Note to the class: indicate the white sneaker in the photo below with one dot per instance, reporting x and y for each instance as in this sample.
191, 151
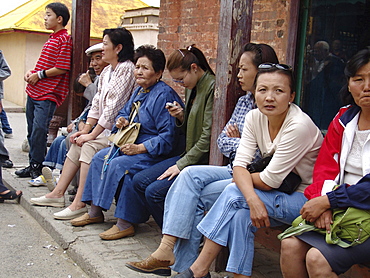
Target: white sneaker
39, 181
48, 175
68, 214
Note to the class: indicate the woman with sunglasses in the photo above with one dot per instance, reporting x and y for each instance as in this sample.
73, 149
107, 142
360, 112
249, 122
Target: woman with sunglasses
279, 128
197, 187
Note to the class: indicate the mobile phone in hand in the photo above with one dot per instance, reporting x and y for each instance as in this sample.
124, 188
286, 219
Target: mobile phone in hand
170, 104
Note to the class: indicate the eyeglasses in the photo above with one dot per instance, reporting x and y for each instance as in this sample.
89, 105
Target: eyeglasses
278, 66
181, 81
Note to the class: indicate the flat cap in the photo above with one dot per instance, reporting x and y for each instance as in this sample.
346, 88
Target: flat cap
94, 48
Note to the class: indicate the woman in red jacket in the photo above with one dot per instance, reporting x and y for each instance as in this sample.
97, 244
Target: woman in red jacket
343, 160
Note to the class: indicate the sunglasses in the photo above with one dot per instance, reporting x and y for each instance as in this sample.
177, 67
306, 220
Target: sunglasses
278, 66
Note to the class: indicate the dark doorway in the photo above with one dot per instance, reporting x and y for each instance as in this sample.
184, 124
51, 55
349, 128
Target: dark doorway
334, 31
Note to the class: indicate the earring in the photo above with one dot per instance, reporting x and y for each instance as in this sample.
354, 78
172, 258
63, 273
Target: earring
289, 103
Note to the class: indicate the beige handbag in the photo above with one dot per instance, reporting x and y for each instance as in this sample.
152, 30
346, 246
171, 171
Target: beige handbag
129, 133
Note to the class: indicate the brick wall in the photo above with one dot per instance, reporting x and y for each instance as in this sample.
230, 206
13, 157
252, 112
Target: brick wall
270, 25
186, 22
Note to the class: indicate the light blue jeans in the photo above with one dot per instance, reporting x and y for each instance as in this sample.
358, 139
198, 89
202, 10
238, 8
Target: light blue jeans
228, 222
194, 191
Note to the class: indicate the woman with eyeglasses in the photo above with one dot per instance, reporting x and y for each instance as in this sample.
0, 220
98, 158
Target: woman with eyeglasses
278, 128
189, 68
197, 187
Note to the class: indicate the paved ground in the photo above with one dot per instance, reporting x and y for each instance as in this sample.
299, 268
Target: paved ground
27, 251
96, 257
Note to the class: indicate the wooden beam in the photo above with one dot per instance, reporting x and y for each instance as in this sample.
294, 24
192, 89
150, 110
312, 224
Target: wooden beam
81, 18
293, 32
234, 32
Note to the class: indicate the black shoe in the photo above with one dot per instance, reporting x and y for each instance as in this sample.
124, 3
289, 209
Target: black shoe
24, 173
35, 170
7, 163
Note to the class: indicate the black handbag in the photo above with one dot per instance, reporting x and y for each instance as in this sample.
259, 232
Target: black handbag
289, 184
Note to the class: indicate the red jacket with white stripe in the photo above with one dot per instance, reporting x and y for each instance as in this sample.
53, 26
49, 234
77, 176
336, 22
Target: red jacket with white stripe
331, 161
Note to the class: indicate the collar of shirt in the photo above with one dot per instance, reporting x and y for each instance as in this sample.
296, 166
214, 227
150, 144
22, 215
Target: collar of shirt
59, 33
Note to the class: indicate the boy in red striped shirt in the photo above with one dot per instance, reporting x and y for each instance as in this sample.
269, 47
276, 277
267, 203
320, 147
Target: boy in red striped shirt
48, 85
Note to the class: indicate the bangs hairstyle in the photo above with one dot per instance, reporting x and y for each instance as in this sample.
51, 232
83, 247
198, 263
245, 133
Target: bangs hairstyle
60, 10
183, 58
357, 61
124, 37
262, 53
287, 72
155, 55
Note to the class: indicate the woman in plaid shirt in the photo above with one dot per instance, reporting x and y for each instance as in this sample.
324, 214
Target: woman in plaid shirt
116, 84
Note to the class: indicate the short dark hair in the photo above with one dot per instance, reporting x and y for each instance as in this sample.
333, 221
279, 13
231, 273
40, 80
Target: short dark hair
124, 37
357, 61
60, 10
183, 58
155, 55
287, 72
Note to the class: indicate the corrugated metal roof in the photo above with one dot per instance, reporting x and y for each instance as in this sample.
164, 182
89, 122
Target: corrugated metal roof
104, 14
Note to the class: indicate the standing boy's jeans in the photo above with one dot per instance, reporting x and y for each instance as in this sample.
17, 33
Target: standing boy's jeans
38, 114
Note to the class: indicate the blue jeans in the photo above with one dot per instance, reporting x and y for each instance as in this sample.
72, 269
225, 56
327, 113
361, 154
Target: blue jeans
190, 196
4, 121
57, 153
152, 191
38, 114
2, 186
4, 154
228, 223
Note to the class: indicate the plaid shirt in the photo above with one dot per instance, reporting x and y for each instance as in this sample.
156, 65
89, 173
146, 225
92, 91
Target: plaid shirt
114, 89
227, 144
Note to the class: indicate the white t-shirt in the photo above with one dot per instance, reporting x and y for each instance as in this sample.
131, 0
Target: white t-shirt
295, 147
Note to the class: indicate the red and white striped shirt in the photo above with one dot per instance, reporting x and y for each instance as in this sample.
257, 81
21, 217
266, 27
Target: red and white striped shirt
56, 52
